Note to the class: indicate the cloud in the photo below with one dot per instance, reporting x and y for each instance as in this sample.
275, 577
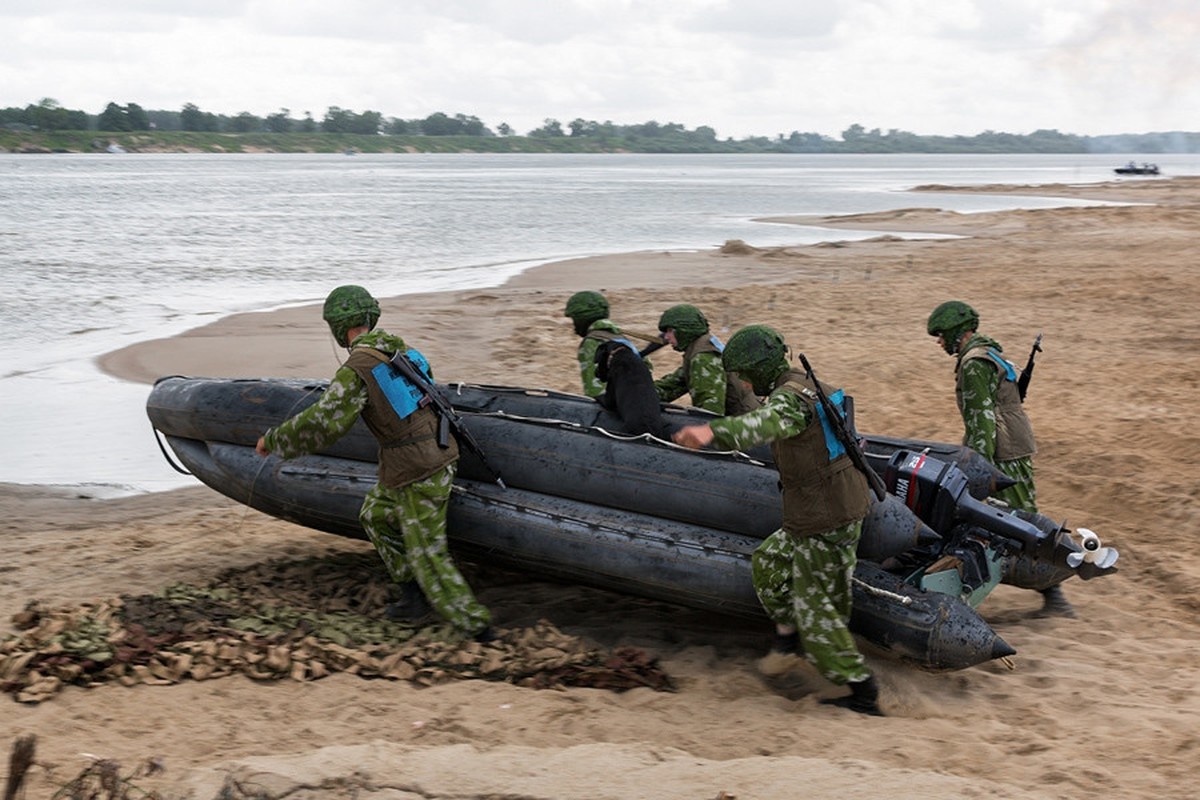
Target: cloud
744, 67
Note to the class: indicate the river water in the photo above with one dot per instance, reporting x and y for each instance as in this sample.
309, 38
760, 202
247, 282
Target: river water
100, 251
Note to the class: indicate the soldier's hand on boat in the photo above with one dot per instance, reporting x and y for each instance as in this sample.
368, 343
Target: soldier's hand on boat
260, 447
693, 436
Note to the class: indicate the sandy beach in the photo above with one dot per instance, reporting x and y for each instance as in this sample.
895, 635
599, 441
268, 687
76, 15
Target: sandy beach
1107, 703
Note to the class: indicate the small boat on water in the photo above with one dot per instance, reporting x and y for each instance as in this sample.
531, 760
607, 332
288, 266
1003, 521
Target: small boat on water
1137, 169
583, 501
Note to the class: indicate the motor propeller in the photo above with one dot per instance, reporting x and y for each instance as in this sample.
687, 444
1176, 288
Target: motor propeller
1093, 552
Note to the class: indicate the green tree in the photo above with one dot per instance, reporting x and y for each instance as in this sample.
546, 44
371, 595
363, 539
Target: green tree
113, 118
245, 122
139, 120
551, 128
337, 120
308, 124
472, 126
400, 127
440, 124
368, 122
77, 120
581, 127
504, 129
191, 118
279, 122
48, 115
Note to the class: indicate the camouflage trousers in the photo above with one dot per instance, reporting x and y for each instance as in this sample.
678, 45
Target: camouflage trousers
408, 528
1022, 496
805, 582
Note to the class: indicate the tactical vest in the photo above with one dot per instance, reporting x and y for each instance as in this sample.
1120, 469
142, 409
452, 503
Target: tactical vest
739, 398
408, 448
1014, 432
819, 494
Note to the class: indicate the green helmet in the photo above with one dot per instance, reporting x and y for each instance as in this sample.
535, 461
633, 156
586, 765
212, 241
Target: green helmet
758, 354
951, 320
586, 305
584, 308
687, 321
348, 307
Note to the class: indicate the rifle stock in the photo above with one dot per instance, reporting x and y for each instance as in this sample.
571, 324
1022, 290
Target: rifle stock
844, 435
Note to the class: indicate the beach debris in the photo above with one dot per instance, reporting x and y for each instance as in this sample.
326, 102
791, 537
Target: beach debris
737, 247
101, 779
290, 620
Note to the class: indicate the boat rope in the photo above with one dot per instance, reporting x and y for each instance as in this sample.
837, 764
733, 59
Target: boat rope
650, 438
875, 590
158, 437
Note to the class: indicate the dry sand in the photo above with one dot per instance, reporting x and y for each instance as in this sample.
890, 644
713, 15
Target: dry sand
1105, 704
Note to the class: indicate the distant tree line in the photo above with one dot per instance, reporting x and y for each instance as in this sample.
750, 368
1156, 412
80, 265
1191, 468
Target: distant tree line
651, 137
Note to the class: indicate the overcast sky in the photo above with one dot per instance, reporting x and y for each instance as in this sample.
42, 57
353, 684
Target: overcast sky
743, 67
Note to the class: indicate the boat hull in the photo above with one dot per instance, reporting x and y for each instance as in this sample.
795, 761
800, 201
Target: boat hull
575, 542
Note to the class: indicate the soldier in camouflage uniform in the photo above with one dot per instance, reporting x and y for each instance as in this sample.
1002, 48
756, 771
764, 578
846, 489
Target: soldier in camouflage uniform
702, 375
589, 312
802, 572
404, 514
996, 425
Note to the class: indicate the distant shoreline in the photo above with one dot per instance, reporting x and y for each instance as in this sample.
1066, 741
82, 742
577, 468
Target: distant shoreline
37, 142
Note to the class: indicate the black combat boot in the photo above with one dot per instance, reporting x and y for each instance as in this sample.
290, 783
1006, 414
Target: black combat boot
486, 635
411, 607
786, 643
863, 698
1055, 603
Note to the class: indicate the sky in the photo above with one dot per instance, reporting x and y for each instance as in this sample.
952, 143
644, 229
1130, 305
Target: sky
742, 67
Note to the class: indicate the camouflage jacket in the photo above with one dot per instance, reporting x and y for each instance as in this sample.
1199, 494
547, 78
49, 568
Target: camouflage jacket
994, 421
782, 416
600, 331
703, 377
820, 491
346, 398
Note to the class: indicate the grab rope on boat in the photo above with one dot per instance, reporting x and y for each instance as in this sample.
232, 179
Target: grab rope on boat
620, 437
875, 590
158, 437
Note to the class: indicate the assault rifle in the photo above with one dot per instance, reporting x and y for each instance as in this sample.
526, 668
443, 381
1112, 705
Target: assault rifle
1027, 373
448, 418
844, 434
650, 348
654, 342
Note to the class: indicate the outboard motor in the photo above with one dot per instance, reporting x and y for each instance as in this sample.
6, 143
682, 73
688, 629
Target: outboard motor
937, 492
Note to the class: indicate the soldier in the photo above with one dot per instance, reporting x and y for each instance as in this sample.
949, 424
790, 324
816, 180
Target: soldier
801, 572
995, 422
589, 311
702, 375
404, 514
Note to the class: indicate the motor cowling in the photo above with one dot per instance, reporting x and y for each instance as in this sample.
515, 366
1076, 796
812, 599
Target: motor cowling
937, 492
